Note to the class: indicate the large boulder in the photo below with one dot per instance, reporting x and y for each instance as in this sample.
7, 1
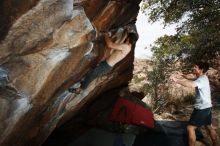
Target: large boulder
46, 46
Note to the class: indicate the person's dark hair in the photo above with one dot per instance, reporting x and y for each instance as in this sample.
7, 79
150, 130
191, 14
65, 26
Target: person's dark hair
203, 65
132, 38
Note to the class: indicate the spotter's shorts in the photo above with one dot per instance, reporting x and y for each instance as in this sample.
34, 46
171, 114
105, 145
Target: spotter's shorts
201, 117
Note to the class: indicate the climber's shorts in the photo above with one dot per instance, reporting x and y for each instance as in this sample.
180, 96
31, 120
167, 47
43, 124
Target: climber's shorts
201, 117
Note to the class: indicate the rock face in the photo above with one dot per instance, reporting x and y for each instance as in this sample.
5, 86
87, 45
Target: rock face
45, 47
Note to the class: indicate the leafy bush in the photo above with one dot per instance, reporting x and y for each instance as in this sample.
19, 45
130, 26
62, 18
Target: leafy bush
136, 79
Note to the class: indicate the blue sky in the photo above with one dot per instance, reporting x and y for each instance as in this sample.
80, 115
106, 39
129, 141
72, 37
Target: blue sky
148, 33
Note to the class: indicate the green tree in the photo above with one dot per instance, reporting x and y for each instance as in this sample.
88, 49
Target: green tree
197, 38
198, 33
157, 79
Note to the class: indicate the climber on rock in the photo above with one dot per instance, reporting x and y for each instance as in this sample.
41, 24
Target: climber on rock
119, 50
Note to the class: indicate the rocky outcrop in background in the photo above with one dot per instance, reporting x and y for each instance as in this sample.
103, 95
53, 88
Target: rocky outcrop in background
45, 47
